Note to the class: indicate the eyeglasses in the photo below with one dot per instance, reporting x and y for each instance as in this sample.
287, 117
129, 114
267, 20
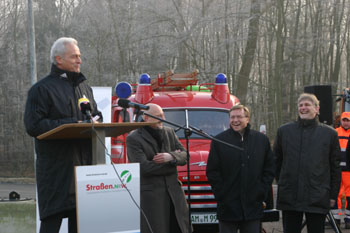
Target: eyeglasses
238, 117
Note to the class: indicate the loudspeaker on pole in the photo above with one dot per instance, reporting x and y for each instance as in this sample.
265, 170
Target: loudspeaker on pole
324, 95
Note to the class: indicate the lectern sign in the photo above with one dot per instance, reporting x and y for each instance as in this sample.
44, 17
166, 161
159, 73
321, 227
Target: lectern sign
103, 201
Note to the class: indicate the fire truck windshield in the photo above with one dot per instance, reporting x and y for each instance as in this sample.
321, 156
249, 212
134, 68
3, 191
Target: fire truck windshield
210, 121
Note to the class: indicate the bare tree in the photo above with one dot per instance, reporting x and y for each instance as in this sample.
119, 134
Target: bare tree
248, 57
269, 50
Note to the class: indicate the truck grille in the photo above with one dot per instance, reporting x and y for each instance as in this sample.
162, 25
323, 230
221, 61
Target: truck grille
204, 203
201, 196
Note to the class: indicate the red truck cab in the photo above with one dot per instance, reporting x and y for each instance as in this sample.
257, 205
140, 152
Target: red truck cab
202, 107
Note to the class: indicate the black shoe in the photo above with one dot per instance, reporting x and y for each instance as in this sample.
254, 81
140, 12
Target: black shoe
337, 221
327, 225
347, 225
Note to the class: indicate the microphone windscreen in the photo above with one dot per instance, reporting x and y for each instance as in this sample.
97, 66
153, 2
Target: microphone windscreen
83, 100
84, 105
124, 103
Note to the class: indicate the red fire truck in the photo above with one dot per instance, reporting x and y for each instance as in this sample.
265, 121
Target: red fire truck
186, 103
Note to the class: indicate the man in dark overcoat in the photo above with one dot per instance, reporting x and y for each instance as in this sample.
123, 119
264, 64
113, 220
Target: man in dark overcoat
51, 102
307, 168
159, 152
240, 179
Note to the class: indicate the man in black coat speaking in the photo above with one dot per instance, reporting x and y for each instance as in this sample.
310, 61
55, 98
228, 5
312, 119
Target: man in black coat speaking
51, 102
240, 180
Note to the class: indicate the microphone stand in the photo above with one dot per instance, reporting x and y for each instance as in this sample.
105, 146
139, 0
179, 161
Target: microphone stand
193, 130
137, 113
188, 130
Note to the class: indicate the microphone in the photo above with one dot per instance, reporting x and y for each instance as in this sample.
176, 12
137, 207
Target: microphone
84, 106
125, 103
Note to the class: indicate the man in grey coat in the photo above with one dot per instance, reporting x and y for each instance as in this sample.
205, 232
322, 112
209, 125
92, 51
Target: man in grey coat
308, 168
159, 152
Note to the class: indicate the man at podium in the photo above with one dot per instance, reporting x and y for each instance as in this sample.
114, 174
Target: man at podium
51, 102
159, 151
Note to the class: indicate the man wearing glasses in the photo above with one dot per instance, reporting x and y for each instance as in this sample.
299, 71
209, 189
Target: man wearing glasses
240, 179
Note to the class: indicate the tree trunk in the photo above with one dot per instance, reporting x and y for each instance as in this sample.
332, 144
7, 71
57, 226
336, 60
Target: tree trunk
248, 57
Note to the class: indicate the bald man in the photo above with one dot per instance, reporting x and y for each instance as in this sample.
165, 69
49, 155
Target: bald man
159, 151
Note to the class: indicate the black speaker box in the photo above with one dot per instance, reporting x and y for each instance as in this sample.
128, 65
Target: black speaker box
324, 95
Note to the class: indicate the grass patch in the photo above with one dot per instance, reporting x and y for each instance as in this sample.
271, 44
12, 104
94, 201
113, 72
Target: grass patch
17, 217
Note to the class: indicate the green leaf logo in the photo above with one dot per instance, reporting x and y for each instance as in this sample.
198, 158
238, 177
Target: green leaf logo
126, 176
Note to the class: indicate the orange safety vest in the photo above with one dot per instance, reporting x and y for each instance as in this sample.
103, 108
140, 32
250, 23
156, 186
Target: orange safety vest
343, 135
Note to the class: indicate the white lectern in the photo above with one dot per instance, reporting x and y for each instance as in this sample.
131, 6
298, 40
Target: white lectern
104, 203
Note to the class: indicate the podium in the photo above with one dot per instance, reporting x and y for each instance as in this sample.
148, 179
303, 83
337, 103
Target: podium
97, 134
100, 196
103, 201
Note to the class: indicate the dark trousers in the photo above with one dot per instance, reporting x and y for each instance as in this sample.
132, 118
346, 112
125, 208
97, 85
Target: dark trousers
293, 220
243, 226
52, 224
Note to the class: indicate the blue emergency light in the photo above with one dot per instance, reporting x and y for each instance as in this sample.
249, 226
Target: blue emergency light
123, 90
220, 78
145, 79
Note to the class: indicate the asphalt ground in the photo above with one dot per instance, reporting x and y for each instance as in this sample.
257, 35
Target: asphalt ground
25, 187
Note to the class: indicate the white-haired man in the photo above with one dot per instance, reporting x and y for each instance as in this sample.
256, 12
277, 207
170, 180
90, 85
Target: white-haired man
51, 102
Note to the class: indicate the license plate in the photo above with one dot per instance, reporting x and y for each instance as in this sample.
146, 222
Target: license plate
204, 218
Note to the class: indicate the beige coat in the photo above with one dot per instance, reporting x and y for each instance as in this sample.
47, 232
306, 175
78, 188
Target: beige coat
159, 182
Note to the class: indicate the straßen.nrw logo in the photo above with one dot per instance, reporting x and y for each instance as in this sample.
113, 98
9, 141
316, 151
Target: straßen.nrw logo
126, 176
